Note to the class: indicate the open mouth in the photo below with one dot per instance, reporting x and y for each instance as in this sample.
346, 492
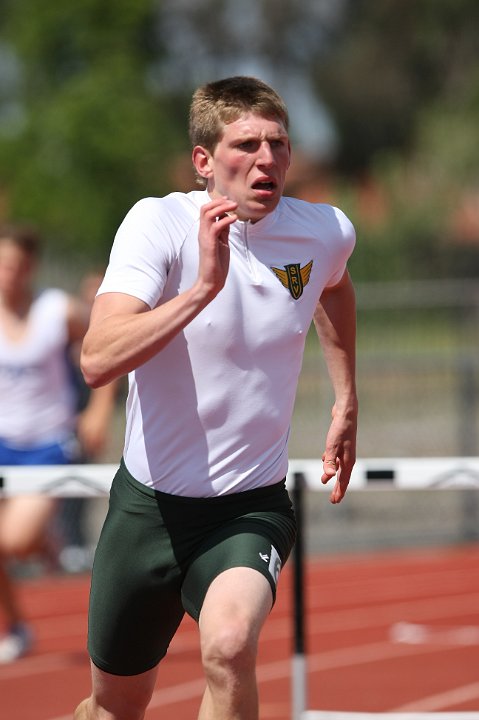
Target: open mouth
268, 185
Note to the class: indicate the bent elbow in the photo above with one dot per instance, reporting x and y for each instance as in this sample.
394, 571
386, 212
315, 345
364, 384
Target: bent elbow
92, 372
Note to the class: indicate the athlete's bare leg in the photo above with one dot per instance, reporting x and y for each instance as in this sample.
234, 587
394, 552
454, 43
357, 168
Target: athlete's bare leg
117, 697
8, 601
235, 608
23, 523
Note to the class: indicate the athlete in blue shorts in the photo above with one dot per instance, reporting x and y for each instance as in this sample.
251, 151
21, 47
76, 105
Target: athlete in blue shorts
38, 407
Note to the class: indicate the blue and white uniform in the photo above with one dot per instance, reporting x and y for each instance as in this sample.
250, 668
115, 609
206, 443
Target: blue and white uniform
38, 400
210, 414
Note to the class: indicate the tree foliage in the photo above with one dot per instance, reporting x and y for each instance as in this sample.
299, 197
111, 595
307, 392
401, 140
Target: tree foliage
403, 84
94, 95
91, 137
392, 60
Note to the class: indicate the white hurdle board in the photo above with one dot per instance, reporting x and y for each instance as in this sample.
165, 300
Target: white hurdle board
397, 473
369, 473
57, 480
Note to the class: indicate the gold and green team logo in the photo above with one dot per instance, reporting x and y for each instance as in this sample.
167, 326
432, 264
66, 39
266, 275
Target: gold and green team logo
294, 277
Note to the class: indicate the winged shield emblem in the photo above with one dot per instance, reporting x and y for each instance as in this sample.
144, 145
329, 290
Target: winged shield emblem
294, 277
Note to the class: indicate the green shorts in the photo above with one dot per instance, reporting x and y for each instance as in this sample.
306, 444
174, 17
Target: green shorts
158, 554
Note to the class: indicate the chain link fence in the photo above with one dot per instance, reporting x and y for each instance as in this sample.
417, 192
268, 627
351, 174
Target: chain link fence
418, 374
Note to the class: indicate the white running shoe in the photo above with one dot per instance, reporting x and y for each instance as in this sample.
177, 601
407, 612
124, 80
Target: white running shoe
15, 644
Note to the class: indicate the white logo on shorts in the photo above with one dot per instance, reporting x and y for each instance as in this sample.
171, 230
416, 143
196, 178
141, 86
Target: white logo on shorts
274, 565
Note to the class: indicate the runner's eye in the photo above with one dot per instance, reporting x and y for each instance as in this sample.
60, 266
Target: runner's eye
248, 145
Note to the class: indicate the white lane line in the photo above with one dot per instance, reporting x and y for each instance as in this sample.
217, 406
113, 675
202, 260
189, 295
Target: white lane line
457, 696
362, 654
373, 593
318, 622
417, 634
39, 665
342, 657
374, 652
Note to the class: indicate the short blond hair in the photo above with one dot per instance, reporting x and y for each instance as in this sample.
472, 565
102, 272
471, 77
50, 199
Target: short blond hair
218, 103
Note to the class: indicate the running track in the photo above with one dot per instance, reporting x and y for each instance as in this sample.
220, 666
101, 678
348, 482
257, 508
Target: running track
396, 631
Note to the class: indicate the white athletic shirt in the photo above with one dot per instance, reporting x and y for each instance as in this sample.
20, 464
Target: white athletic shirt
37, 399
210, 414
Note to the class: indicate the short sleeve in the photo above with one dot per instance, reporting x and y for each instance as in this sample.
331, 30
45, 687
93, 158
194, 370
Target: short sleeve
344, 240
141, 254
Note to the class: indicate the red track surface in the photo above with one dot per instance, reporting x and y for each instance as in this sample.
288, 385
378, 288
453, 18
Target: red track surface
397, 631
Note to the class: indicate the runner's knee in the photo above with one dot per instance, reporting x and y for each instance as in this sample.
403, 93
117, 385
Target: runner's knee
120, 697
231, 648
119, 707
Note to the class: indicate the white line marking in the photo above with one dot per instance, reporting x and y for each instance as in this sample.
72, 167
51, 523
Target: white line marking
382, 616
416, 634
457, 696
267, 672
39, 664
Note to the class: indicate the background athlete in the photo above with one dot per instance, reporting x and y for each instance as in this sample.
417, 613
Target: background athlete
39, 419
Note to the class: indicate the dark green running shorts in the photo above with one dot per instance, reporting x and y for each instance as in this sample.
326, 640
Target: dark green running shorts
158, 554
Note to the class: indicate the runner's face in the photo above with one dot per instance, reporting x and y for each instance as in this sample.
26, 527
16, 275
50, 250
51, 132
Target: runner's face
249, 165
16, 269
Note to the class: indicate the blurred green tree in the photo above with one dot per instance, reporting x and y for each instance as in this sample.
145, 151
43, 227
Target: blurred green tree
402, 82
82, 135
392, 60
94, 95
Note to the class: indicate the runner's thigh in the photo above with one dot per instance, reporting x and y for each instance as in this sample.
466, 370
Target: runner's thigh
135, 599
